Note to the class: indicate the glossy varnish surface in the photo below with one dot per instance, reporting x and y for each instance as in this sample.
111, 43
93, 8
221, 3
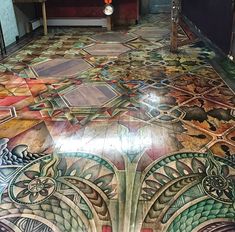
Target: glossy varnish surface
128, 138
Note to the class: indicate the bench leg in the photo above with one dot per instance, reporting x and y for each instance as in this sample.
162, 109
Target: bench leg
44, 15
109, 23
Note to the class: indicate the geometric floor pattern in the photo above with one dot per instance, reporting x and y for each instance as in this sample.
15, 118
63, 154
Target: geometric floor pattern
128, 138
60, 68
107, 49
114, 37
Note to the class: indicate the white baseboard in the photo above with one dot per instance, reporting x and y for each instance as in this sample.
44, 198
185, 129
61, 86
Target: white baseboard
97, 22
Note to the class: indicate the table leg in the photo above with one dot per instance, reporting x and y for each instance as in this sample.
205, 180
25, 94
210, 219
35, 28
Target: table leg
1, 47
44, 15
174, 35
174, 24
109, 23
2, 42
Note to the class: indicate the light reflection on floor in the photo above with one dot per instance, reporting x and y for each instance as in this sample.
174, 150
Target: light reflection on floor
132, 138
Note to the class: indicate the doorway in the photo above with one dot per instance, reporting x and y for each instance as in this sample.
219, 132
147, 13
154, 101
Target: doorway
159, 6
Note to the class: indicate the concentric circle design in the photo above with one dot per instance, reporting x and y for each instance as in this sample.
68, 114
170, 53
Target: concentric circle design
218, 188
32, 184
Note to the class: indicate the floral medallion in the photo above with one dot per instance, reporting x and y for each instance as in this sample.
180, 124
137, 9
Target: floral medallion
218, 188
32, 185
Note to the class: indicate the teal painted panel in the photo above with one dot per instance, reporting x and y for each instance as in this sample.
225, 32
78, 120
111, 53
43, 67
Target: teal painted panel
8, 21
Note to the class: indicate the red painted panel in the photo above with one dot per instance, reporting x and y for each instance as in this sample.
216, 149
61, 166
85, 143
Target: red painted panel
125, 11
73, 8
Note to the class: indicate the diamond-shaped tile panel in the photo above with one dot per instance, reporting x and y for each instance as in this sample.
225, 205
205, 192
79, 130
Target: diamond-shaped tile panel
7, 113
152, 32
117, 37
107, 49
89, 95
60, 68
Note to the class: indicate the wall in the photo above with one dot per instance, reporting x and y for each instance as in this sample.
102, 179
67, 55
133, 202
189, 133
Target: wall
8, 21
125, 11
213, 17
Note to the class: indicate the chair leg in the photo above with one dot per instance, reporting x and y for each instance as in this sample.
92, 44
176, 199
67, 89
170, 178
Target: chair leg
2, 42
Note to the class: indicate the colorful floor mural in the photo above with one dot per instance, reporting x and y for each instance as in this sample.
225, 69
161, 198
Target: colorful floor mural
110, 132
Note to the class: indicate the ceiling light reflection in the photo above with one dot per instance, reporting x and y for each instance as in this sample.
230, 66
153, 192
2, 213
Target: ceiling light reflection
127, 143
153, 98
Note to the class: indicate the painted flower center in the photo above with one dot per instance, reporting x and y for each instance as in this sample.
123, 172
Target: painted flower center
38, 184
216, 182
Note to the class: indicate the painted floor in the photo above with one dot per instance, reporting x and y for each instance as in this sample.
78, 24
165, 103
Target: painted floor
110, 132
